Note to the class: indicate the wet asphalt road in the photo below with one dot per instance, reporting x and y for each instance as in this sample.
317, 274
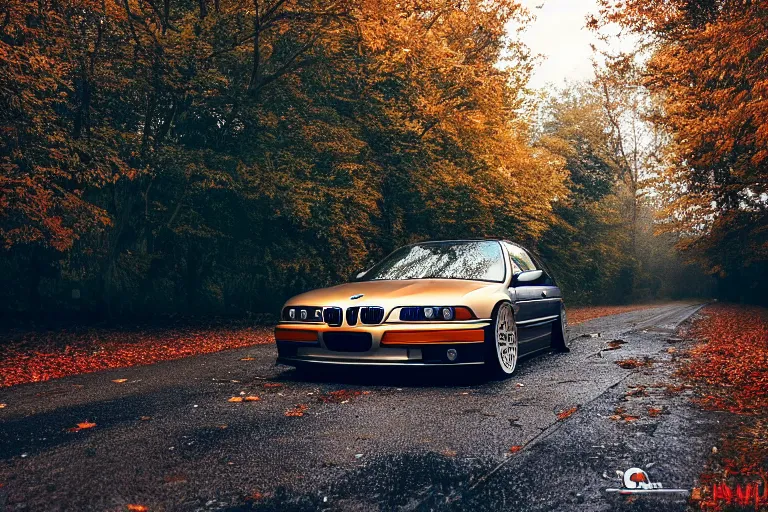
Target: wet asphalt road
168, 438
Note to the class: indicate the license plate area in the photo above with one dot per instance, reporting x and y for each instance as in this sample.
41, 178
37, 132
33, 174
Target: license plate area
348, 341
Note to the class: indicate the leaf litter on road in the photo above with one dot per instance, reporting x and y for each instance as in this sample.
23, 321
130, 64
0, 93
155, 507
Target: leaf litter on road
297, 411
631, 364
33, 356
340, 396
564, 414
620, 414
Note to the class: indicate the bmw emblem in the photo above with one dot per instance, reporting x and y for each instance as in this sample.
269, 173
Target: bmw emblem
355, 297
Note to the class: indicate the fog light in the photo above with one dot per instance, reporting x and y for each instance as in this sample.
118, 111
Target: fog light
429, 313
303, 314
451, 354
292, 314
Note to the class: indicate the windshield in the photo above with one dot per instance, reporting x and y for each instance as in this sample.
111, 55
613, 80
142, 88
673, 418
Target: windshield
480, 261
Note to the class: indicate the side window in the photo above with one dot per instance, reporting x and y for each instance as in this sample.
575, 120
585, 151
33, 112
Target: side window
521, 262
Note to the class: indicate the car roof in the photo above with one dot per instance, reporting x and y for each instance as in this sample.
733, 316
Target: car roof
463, 240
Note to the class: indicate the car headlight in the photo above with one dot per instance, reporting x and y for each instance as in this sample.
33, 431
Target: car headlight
303, 314
435, 313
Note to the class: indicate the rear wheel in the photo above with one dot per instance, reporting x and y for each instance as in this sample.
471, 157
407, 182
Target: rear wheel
502, 341
560, 332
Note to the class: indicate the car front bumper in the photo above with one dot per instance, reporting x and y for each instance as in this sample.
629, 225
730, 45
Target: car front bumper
419, 344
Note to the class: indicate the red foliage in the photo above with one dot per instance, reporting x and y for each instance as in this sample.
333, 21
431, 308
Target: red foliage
36, 356
579, 315
732, 363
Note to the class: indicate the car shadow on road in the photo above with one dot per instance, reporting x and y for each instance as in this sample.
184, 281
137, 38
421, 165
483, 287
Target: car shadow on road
402, 376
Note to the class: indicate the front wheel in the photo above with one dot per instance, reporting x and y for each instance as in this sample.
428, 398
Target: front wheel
560, 332
502, 341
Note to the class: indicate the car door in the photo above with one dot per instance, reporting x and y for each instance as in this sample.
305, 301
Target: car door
553, 296
538, 301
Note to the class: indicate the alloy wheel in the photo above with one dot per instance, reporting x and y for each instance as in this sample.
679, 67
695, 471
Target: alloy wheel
506, 339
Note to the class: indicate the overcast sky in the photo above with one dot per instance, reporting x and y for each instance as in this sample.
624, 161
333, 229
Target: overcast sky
558, 33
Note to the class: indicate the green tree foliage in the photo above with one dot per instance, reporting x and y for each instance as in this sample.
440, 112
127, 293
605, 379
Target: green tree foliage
588, 245
603, 245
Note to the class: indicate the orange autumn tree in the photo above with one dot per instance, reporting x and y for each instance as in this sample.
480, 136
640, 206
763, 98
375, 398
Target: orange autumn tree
48, 156
193, 156
708, 65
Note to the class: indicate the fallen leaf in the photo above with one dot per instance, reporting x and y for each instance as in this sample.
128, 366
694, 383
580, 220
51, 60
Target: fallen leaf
654, 411
119, 381
137, 508
515, 449
620, 414
251, 398
235, 399
3, 406
145, 418
671, 350
696, 494
615, 344
256, 496
299, 410
630, 364
566, 413
448, 453
247, 358
272, 385
82, 426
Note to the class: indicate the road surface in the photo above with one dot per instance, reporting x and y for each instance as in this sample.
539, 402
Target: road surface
169, 438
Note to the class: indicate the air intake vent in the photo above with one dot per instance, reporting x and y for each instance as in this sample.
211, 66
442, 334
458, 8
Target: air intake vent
371, 315
332, 316
352, 314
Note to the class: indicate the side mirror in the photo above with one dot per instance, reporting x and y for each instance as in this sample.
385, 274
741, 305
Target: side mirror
527, 277
357, 275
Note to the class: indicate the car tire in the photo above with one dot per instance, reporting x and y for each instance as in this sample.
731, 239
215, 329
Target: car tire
559, 338
502, 347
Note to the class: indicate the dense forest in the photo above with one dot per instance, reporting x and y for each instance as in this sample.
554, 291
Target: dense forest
213, 157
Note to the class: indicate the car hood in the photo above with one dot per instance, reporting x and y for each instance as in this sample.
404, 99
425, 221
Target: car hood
391, 294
